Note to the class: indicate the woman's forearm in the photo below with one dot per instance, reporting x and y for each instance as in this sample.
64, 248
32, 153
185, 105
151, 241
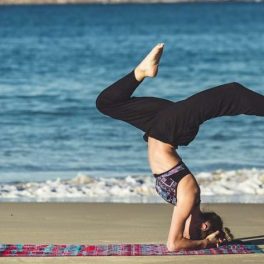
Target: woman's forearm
185, 243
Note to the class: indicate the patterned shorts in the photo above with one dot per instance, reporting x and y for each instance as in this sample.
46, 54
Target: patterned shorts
166, 182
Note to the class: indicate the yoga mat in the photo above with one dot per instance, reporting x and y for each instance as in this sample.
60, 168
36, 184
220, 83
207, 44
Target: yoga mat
23, 250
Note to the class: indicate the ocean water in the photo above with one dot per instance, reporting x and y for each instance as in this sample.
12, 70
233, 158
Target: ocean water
54, 61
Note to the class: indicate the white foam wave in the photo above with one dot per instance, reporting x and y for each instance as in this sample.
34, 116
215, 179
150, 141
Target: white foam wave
234, 183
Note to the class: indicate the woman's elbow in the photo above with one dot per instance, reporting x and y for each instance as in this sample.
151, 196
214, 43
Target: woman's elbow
173, 246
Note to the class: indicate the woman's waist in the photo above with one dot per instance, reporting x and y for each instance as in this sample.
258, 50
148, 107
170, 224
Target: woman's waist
161, 160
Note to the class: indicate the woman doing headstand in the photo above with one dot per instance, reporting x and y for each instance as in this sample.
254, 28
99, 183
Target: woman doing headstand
168, 125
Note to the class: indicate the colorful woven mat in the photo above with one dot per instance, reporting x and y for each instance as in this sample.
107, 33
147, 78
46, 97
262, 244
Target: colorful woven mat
23, 250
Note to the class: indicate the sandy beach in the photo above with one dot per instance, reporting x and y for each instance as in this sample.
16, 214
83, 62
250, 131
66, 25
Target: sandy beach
102, 223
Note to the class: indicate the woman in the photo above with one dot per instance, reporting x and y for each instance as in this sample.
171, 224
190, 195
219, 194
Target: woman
168, 125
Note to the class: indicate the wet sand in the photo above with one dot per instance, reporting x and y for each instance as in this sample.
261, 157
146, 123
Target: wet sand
99, 223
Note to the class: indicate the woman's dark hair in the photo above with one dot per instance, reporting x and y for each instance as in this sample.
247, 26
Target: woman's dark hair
215, 223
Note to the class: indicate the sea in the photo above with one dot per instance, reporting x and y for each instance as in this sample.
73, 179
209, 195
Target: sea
55, 60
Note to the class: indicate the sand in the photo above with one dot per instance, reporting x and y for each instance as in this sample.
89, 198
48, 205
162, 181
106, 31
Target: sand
96, 223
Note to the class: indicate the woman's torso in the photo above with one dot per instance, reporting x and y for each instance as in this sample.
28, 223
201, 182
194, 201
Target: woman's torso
162, 157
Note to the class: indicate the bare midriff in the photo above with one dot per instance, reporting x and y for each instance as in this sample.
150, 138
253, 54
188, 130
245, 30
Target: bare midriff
162, 156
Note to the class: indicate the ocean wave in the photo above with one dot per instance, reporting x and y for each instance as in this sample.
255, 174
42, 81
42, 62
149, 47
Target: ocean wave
227, 186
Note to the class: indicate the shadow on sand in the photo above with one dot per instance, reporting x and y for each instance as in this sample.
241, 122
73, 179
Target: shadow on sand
254, 240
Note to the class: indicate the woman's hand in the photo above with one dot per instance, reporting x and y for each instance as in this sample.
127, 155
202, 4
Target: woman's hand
213, 238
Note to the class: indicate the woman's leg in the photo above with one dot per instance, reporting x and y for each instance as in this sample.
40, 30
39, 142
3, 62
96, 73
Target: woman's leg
179, 123
252, 103
226, 100
117, 102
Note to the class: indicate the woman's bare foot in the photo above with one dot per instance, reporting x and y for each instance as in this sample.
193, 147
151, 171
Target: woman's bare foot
149, 66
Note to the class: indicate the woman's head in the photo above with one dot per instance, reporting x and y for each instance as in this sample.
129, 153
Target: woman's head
212, 222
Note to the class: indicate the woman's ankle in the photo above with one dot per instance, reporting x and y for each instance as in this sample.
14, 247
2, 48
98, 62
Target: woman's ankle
139, 74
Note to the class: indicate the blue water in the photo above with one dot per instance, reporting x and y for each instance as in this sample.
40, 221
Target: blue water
54, 60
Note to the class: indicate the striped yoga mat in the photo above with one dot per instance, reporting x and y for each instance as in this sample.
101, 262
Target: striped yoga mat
23, 250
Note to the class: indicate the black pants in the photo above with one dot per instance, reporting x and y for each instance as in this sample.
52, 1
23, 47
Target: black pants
176, 123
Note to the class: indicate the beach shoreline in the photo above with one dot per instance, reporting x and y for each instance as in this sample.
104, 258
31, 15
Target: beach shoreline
235, 186
105, 223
